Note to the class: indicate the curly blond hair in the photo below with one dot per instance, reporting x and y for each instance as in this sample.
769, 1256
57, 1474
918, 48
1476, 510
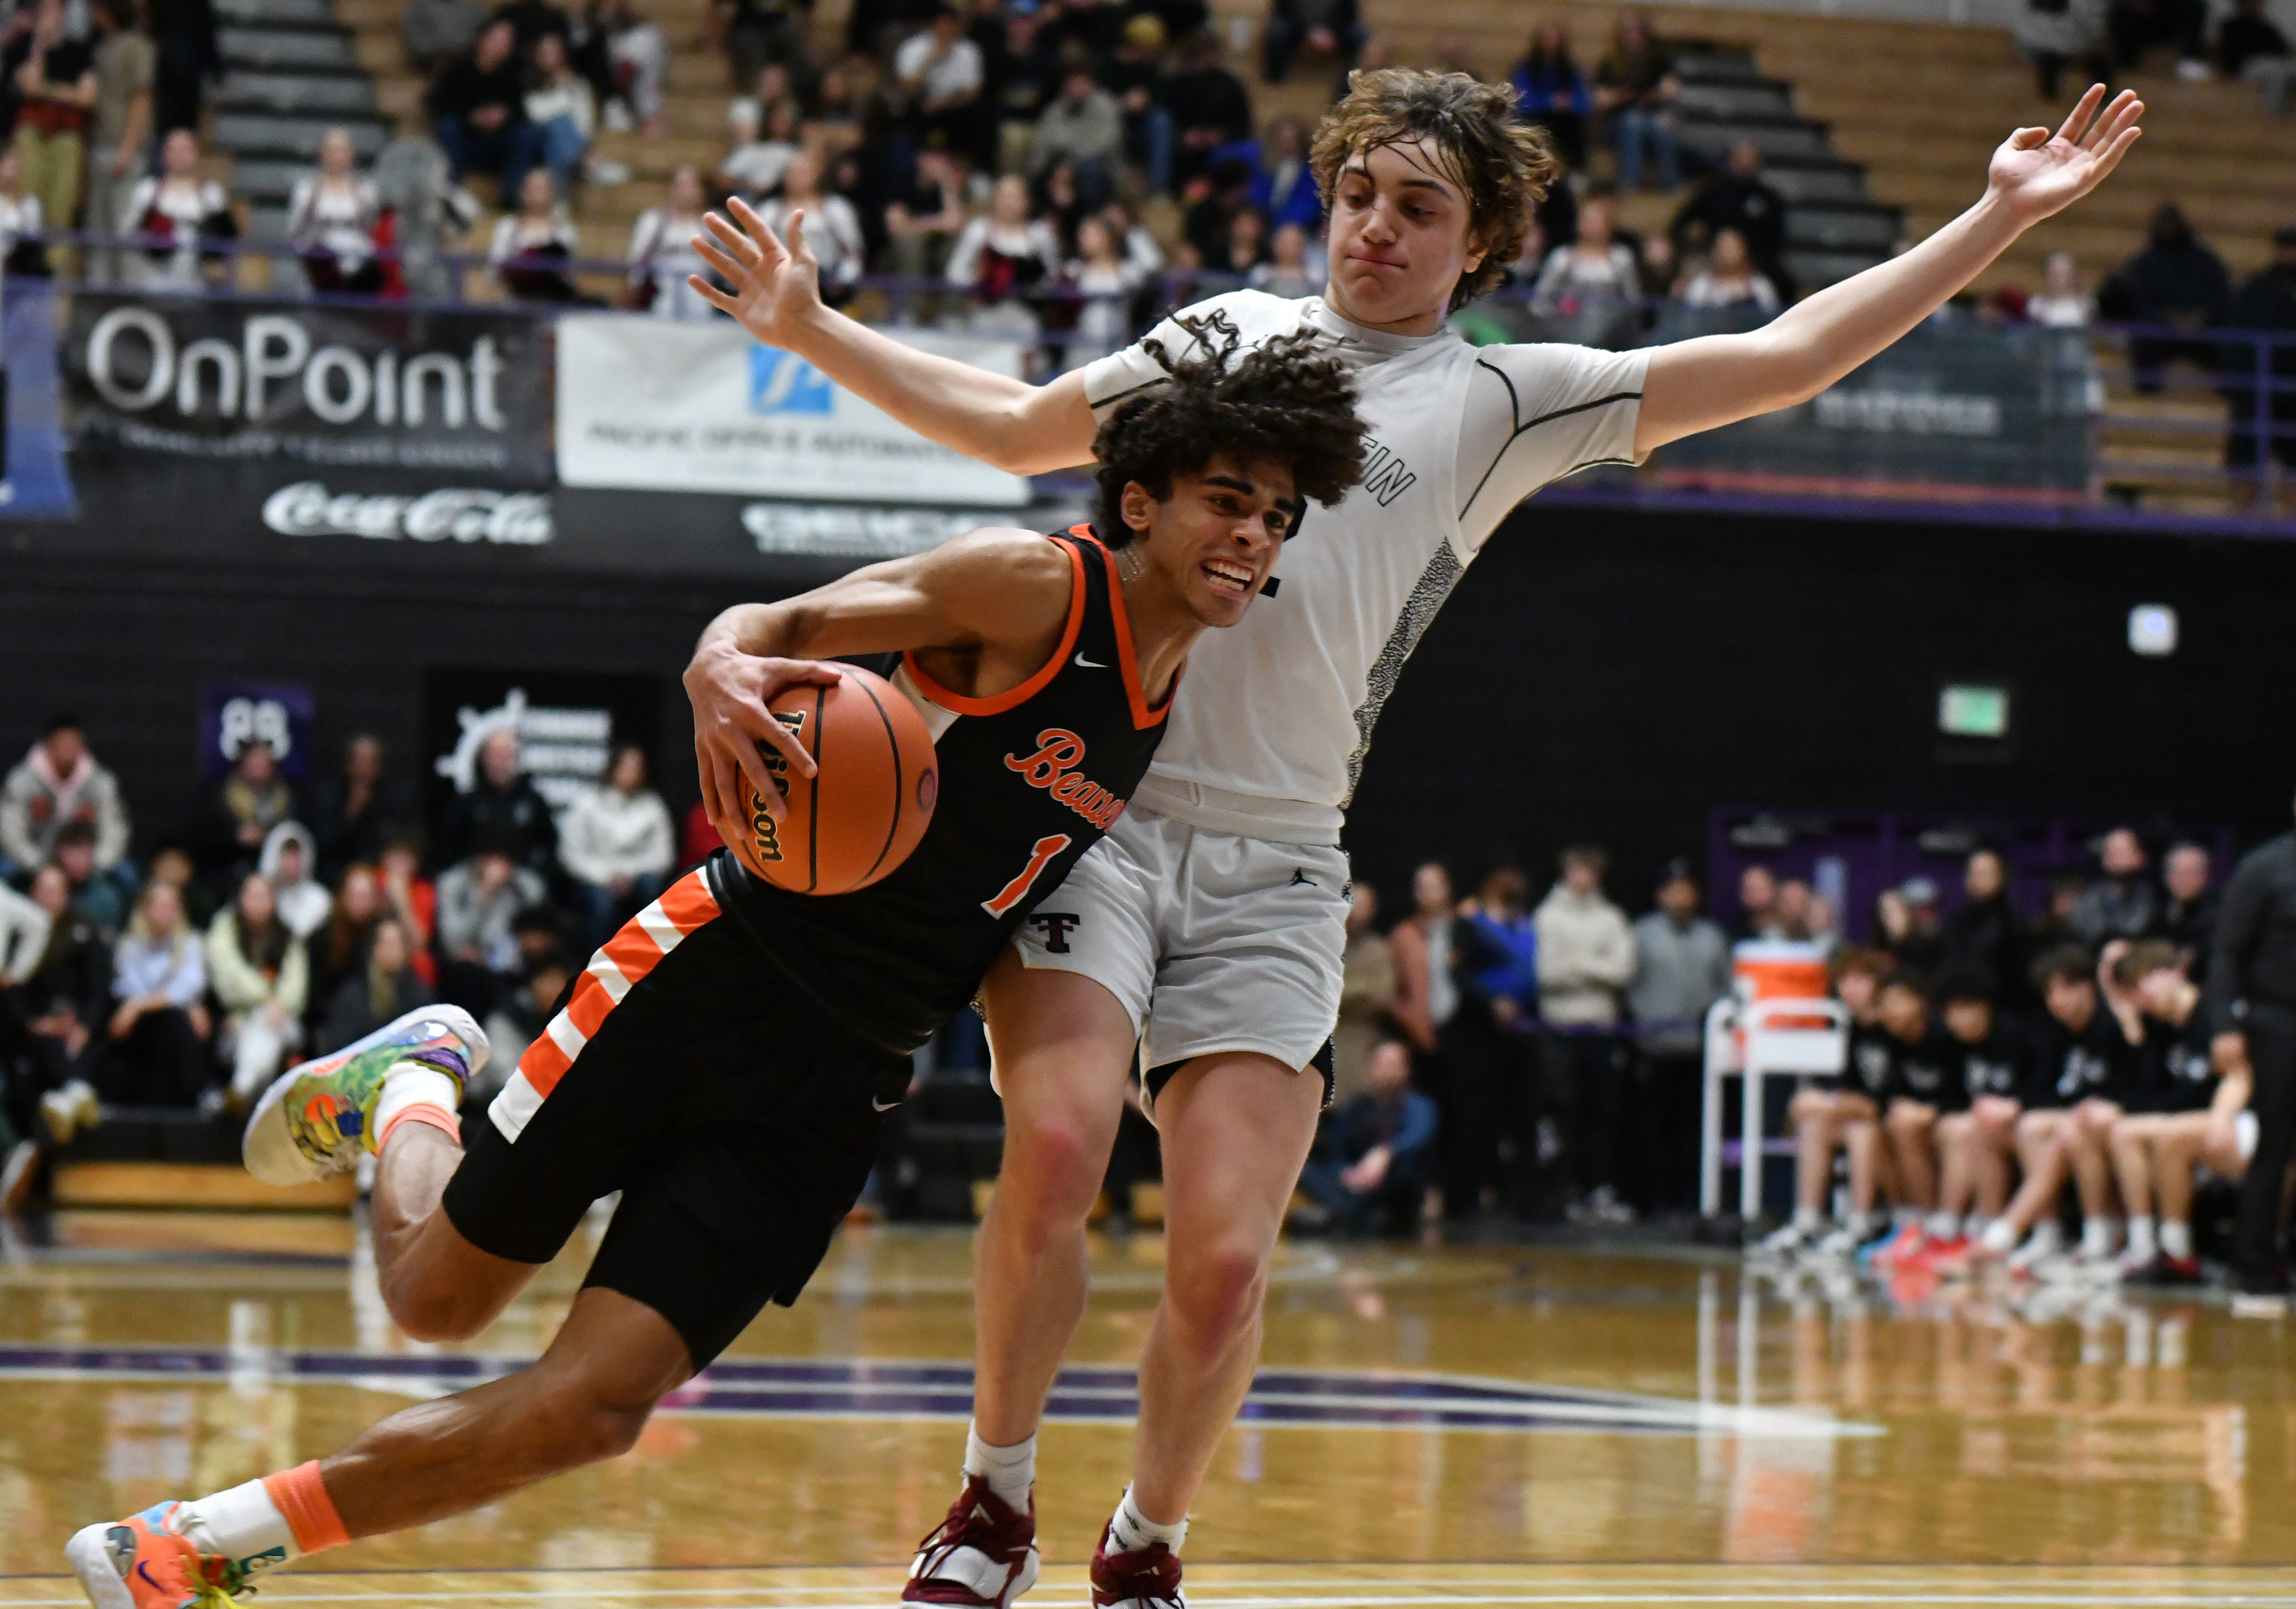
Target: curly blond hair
1502, 164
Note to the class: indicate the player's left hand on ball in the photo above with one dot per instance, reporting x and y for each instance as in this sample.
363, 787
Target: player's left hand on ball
731, 692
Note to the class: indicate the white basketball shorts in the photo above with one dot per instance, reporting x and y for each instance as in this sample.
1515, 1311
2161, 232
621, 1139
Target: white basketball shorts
1212, 942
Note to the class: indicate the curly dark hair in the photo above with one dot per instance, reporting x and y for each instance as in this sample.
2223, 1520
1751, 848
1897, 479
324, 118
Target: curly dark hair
1503, 164
1285, 402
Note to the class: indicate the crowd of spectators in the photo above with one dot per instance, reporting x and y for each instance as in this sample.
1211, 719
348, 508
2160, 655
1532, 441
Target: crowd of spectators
284, 921
2106, 39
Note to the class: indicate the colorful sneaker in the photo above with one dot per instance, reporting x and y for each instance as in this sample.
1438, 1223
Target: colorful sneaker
1146, 1578
1903, 1246
983, 1554
1947, 1259
144, 1562
314, 1120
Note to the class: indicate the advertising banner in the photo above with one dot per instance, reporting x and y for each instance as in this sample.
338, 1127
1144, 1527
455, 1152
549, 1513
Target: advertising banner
1954, 412
234, 714
568, 725
654, 406
251, 378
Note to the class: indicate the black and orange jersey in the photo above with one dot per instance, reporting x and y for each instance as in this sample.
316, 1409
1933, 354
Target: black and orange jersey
1029, 780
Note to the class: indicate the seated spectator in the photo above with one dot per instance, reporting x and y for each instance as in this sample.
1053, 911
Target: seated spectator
338, 951
2188, 913
502, 800
531, 21
330, 221
479, 900
2189, 1118
1375, 1159
1084, 127
756, 33
1595, 282
754, 167
1986, 1074
66, 999
616, 843
532, 247
261, 976
1921, 1090
52, 73
922, 223
1021, 65
171, 863
836, 121
433, 30
287, 860
523, 1011
1282, 181
409, 898
662, 251
1552, 92
2063, 304
635, 61
1738, 198
160, 1026
564, 111
745, 114
1634, 92
380, 988
2177, 281
1209, 107
2122, 903
832, 229
2252, 49
1729, 282
1843, 1114
103, 900
941, 71
177, 213
2138, 25
2267, 301
477, 105
1291, 269
1205, 225
1245, 249
2054, 35
354, 812
19, 215
1134, 76
1107, 282
1001, 253
57, 783
1328, 29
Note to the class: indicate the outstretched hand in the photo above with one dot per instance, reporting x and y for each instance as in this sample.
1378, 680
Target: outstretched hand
2038, 174
776, 287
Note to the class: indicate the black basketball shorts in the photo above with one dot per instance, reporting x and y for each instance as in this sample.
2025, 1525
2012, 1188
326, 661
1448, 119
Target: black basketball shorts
737, 1116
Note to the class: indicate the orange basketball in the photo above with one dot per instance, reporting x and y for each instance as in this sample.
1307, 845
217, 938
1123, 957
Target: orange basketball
864, 810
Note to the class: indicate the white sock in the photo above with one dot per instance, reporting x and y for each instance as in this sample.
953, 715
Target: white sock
412, 1084
1131, 1531
2177, 1239
1807, 1219
1862, 1225
1010, 1470
2142, 1247
1941, 1226
2098, 1236
1906, 1218
243, 1524
1999, 1238
2048, 1239
1972, 1227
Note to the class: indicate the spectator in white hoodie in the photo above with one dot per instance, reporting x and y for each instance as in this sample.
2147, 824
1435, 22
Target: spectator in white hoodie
617, 843
1586, 959
290, 853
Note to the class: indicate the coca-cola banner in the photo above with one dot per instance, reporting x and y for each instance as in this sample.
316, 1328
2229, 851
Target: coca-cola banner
328, 386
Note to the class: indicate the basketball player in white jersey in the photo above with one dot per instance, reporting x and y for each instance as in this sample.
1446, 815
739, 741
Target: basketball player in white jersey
1206, 929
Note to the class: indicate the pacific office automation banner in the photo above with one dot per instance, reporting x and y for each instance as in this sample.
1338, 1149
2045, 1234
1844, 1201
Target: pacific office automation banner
1961, 411
653, 406
345, 388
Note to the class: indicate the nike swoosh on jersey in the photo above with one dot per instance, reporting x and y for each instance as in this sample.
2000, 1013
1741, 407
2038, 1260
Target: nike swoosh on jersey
1083, 663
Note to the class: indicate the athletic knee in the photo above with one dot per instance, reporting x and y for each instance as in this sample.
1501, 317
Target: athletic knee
1216, 1290
1054, 1166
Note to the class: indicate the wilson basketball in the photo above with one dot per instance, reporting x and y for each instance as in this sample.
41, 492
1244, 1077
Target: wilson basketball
868, 803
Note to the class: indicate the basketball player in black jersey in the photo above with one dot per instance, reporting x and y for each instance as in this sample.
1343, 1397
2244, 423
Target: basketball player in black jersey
725, 1060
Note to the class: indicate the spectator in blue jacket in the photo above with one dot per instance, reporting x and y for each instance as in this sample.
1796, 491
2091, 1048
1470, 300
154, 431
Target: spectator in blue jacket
1282, 186
1552, 92
1376, 1157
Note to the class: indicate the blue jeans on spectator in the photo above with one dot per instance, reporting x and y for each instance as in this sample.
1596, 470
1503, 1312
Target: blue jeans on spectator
1393, 1208
506, 152
562, 146
1633, 129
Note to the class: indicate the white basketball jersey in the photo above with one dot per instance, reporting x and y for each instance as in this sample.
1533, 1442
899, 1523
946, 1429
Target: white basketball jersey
1272, 722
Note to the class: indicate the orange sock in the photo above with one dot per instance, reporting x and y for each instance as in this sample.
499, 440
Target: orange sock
310, 1513
423, 1112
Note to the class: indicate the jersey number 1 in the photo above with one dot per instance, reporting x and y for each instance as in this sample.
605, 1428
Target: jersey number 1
1016, 890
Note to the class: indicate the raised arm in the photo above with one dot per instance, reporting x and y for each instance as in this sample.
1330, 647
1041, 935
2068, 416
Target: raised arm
1715, 380
996, 592
1019, 428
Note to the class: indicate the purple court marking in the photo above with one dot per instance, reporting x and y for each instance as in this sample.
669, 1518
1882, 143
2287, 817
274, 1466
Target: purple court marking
864, 1389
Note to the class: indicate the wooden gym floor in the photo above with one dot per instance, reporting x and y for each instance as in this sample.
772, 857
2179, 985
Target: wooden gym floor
1431, 1426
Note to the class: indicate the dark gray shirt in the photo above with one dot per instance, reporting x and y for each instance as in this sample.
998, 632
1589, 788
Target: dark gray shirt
2255, 955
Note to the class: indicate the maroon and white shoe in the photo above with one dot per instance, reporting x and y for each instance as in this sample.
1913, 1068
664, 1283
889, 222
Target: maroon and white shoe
1146, 1578
982, 1555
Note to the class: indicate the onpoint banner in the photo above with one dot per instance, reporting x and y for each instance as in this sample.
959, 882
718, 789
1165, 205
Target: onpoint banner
652, 406
365, 387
